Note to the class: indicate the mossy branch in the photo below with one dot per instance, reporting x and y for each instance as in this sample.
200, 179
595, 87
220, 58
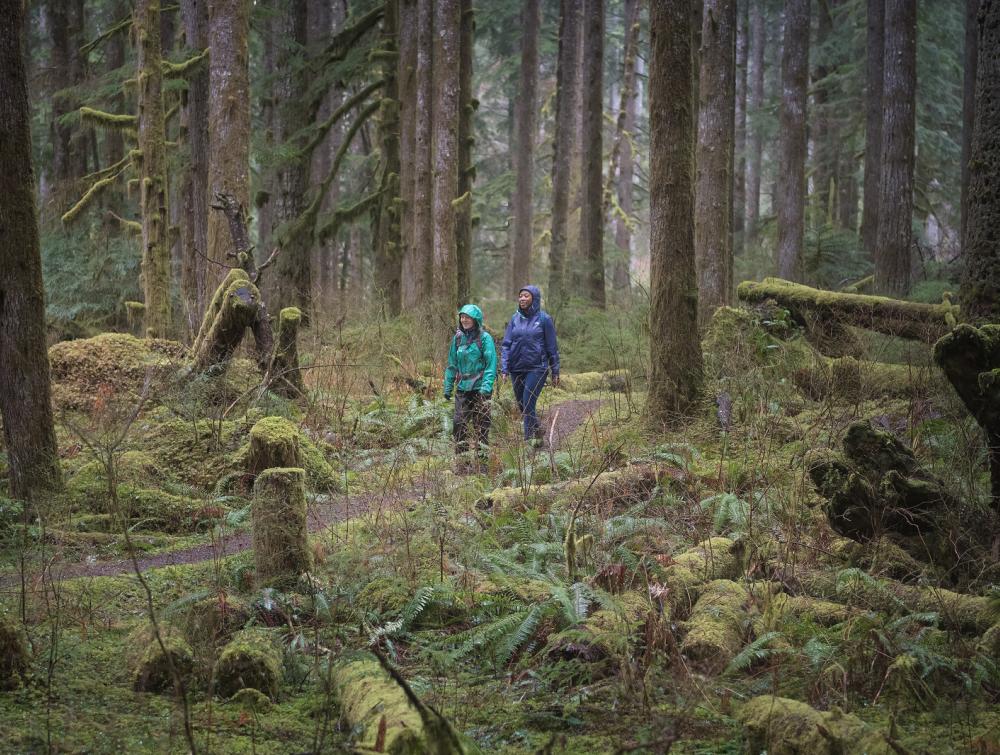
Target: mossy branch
323, 128
346, 38
179, 70
104, 119
96, 188
346, 214
129, 225
119, 26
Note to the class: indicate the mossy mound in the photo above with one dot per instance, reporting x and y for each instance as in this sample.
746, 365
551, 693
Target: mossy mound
88, 369
198, 453
213, 621
251, 659
383, 596
13, 655
87, 488
781, 726
152, 674
739, 340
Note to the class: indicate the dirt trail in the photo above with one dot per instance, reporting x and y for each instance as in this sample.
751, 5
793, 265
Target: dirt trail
559, 421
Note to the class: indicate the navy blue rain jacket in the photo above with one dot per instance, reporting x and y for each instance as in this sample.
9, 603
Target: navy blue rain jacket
529, 342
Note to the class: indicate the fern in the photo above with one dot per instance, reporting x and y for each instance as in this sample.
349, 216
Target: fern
756, 652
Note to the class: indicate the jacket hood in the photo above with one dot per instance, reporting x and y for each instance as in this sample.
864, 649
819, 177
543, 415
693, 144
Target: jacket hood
474, 312
536, 300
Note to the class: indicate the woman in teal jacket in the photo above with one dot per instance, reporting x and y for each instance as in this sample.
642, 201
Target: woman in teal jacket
471, 372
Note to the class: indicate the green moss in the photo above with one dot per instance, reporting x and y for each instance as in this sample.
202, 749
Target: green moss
280, 545
251, 659
383, 596
13, 654
715, 558
715, 632
275, 441
153, 671
214, 620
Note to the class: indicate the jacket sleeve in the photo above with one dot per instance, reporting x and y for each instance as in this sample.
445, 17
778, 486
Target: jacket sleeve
551, 347
505, 346
490, 369
451, 369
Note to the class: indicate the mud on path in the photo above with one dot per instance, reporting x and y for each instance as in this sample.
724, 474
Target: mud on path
558, 421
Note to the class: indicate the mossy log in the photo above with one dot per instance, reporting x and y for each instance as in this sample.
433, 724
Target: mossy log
879, 487
153, 672
715, 627
859, 380
712, 559
781, 606
588, 382
278, 514
970, 359
781, 726
285, 374
894, 317
375, 704
13, 655
251, 660
608, 632
236, 313
274, 442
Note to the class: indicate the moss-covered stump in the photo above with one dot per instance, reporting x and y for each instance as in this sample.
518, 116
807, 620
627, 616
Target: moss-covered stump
894, 317
13, 655
285, 374
715, 558
589, 382
858, 380
781, 726
153, 672
715, 627
274, 442
250, 660
235, 275
87, 371
237, 312
278, 514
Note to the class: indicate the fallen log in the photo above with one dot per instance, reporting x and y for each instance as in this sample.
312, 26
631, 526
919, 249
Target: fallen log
715, 627
859, 380
615, 381
237, 309
688, 572
894, 317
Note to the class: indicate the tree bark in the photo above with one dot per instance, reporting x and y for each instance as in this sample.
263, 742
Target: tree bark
895, 204
592, 215
755, 104
194, 189
407, 75
740, 144
621, 154
971, 57
822, 126
524, 147
423, 229
791, 198
64, 19
152, 179
386, 226
447, 26
675, 349
238, 305
228, 119
25, 401
713, 241
562, 144
981, 276
466, 169
875, 60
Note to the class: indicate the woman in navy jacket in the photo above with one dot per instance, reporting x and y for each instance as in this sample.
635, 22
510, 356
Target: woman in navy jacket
528, 353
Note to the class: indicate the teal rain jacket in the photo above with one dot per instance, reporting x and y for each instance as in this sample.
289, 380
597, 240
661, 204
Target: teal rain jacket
472, 359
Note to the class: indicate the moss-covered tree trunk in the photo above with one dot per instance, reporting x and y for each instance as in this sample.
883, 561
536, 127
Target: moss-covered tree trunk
758, 43
675, 350
421, 251
466, 169
152, 177
740, 134
228, 119
524, 148
406, 74
592, 215
446, 64
713, 241
621, 167
791, 181
981, 278
64, 20
237, 301
286, 376
874, 61
895, 203
280, 545
194, 187
562, 144
25, 399
970, 57
388, 247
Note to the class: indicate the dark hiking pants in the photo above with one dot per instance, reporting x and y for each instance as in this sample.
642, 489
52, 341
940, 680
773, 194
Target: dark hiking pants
472, 421
527, 387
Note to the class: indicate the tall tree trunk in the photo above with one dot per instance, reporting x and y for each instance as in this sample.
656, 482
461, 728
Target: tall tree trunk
740, 146
981, 277
971, 56
791, 199
466, 170
194, 189
319, 29
822, 127
524, 147
447, 26
562, 143
758, 43
386, 226
407, 74
675, 349
293, 274
592, 216
621, 276
152, 179
874, 83
64, 20
264, 199
895, 205
25, 401
713, 242
423, 190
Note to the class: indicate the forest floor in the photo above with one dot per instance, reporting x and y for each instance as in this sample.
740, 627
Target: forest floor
619, 590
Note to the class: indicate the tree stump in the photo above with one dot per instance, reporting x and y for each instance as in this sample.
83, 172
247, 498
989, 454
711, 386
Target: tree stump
236, 312
274, 442
278, 513
286, 377
153, 672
